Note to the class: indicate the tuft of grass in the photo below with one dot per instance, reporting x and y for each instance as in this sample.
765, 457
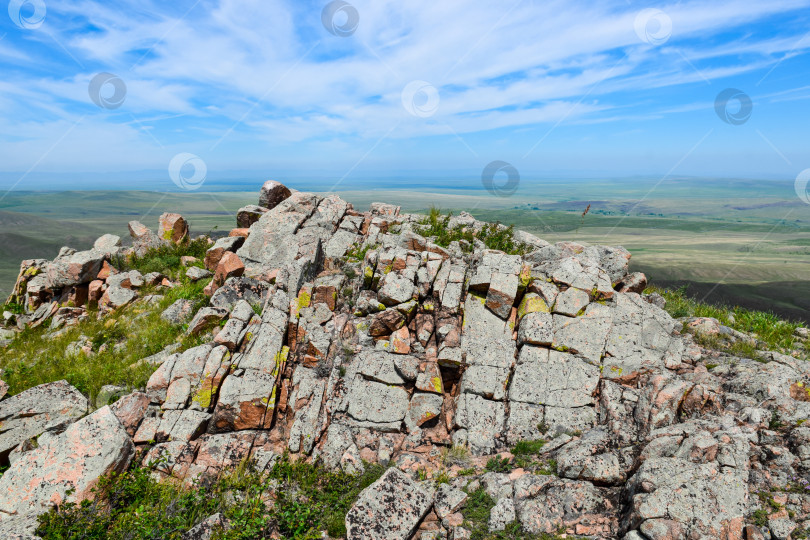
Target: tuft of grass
525, 450
498, 464
456, 455
548, 469
293, 499
437, 226
357, 253
776, 333
442, 478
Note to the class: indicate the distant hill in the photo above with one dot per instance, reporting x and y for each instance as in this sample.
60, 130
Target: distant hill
24, 236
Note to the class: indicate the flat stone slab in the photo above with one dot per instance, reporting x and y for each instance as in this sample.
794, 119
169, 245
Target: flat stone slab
389, 509
37, 410
66, 467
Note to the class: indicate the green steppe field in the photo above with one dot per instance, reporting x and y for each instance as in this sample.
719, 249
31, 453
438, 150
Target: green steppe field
736, 242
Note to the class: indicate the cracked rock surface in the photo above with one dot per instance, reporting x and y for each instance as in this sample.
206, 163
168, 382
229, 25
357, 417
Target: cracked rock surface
351, 339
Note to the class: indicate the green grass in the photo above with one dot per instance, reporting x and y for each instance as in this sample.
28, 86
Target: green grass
456, 455
778, 334
357, 253
297, 499
437, 226
476, 517
165, 259
524, 451
499, 464
33, 358
12, 307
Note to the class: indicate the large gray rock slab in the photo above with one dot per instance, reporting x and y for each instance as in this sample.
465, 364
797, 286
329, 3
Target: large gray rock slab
703, 498
273, 241
543, 502
586, 334
389, 509
307, 397
377, 405
65, 468
482, 422
37, 410
179, 312
117, 297
395, 289
544, 377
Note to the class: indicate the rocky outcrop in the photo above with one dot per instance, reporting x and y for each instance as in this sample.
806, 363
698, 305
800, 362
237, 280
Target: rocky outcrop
63, 468
45, 408
348, 338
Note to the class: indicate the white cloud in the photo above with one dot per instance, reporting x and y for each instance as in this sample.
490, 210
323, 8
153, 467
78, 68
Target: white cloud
270, 70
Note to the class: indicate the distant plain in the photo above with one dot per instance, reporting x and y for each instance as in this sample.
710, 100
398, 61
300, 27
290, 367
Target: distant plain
738, 242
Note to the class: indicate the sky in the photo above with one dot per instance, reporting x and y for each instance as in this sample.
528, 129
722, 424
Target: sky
112, 93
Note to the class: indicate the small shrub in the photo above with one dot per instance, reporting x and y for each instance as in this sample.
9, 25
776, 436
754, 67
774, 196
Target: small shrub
13, 307
527, 448
498, 464
774, 422
760, 517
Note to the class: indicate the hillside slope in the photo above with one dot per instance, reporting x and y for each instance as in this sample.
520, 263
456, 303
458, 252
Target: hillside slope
324, 370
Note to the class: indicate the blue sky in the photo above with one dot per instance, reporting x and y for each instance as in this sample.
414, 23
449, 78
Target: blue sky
262, 87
